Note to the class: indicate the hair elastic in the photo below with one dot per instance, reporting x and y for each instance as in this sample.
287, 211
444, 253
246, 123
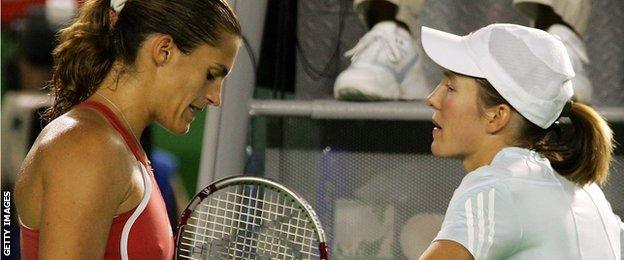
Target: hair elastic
117, 5
566, 109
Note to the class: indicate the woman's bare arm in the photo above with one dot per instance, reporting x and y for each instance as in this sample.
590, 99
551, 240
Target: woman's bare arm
446, 249
81, 194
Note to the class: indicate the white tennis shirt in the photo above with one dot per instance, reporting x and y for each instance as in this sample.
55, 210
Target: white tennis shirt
519, 208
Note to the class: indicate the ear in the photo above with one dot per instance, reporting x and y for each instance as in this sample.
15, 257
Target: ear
498, 117
162, 49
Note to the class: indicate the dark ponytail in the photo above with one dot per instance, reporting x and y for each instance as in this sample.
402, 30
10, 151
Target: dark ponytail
581, 151
82, 59
90, 46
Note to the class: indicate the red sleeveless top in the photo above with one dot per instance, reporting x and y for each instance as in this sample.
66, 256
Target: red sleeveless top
141, 233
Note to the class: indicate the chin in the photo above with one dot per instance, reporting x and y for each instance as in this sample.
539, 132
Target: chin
435, 150
438, 152
177, 129
181, 130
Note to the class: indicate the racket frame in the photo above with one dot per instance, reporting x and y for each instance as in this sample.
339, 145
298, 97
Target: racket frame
241, 179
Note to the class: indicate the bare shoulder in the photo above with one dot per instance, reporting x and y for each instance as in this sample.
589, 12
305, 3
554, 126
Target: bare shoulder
77, 155
81, 139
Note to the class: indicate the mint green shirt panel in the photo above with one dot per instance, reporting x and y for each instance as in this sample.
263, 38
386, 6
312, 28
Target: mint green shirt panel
548, 224
483, 221
621, 237
536, 213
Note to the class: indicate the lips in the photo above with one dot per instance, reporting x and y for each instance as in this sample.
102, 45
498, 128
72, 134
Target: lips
436, 124
191, 111
195, 108
437, 129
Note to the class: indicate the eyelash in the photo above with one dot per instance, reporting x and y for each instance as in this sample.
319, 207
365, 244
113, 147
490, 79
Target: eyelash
449, 87
210, 76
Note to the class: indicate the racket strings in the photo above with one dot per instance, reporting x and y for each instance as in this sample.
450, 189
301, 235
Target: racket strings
244, 222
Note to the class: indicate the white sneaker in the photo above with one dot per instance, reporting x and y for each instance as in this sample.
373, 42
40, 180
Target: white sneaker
583, 89
385, 65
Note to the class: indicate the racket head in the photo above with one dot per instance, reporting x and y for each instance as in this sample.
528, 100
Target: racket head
246, 217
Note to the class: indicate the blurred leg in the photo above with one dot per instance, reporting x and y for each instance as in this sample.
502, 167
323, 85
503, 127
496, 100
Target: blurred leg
380, 11
385, 64
567, 19
546, 17
575, 13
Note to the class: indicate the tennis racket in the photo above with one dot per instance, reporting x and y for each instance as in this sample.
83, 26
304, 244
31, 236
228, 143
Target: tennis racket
247, 217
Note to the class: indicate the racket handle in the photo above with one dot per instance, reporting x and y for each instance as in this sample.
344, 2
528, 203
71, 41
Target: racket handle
323, 251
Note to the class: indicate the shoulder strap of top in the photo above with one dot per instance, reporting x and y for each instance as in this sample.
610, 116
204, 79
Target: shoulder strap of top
119, 126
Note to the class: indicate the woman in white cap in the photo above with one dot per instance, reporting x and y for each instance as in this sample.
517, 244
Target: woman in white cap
532, 188
86, 189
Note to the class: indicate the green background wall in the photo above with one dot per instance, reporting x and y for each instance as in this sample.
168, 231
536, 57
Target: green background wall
187, 148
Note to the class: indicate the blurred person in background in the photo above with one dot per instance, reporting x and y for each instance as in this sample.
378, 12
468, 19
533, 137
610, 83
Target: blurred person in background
24, 75
567, 19
386, 63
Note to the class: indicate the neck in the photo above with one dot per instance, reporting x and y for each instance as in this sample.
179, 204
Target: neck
127, 100
483, 156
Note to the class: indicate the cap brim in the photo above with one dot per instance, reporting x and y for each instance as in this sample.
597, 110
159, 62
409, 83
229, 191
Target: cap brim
449, 51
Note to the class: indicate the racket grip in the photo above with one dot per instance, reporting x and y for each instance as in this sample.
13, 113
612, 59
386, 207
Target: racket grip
323, 251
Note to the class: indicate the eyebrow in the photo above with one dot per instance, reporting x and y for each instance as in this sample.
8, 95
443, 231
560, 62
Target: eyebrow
449, 74
223, 70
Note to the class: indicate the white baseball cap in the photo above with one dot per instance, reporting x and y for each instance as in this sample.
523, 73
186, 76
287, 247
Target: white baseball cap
530, 68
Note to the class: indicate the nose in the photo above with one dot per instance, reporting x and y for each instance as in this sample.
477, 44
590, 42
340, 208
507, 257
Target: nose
213, 94
431, 98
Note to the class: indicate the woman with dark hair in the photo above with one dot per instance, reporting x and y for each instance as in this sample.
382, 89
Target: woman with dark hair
86, 189
532, 188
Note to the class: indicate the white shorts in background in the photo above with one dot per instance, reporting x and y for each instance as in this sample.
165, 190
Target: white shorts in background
409, 10
574, 12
